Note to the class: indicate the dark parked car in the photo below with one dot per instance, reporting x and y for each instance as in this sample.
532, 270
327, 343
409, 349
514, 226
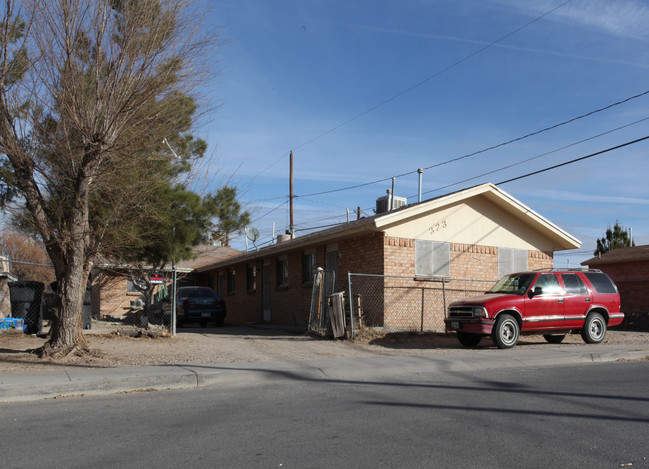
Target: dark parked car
199, 305
549, 302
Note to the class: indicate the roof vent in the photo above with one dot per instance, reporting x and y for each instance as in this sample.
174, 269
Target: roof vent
389, 202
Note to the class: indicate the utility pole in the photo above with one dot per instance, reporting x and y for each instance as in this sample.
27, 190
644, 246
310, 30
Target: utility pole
292, 226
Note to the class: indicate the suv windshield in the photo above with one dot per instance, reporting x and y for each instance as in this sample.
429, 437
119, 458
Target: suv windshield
515, 283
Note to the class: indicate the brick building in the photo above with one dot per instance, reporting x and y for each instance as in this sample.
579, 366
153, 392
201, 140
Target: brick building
629, 269
113, 288
479, 233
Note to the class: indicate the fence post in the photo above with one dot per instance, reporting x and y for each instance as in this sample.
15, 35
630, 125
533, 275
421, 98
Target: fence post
423, 308
172, 319
351, 306
444, 295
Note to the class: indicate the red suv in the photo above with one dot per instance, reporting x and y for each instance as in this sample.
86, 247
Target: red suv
549, 302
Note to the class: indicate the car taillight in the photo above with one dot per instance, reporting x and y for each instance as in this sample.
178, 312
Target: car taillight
188, 304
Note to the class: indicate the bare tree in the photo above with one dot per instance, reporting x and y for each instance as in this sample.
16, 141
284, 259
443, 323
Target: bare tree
29, 261
89, 89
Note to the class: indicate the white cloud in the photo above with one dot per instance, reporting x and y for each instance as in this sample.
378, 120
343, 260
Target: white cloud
624, 18
621, 17
591, 198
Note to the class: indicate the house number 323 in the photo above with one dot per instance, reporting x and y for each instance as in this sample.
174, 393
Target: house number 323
437, 227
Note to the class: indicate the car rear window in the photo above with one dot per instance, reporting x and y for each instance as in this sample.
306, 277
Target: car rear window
601, 282
204, 293
196, 293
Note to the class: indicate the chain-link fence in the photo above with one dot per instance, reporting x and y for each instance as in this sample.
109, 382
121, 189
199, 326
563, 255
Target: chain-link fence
114, 297
404, 304
25, 294
135, 298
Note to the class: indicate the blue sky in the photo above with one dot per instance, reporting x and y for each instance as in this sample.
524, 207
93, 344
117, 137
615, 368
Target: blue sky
365, 90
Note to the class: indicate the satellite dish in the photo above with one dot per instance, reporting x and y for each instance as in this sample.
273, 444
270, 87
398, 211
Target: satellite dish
252, 234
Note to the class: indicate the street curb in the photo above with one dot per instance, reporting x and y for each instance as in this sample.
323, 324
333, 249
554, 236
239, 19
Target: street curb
95, 382
69, 382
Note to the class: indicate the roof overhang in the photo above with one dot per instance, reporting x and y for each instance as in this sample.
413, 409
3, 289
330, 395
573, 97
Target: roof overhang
347, 230
560, 239
183, 270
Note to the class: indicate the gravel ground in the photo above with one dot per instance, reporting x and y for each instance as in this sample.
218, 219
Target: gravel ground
249, 344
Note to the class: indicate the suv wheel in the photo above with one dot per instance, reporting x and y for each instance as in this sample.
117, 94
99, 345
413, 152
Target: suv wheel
594, 329
505, 332
468, 340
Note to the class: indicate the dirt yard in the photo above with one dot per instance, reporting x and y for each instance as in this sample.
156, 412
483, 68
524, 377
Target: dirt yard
247, 344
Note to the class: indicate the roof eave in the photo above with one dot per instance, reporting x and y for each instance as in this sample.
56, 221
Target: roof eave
354, 228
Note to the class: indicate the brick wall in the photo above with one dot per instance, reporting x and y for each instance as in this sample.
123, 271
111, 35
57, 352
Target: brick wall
373, 253
411, 304
111, 297
634, 295
632, 280
362, 254
627, 271
290, 303
467, 261
474, 262
242, 305
399, 257
539, 260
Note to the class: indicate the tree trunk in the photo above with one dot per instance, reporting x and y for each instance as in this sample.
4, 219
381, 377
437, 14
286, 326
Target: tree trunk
72, 264
66, 334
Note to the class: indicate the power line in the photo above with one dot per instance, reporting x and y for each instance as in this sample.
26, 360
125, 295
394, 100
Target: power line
532, 134
533, 157
414, 86
573, 161
601, 152
484, 150
271, 211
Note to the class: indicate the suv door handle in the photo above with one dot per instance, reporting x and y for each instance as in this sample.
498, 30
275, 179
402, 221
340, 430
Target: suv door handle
587, 300
561, 300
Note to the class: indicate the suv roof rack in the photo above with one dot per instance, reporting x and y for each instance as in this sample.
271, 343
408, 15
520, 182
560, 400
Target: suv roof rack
568, 269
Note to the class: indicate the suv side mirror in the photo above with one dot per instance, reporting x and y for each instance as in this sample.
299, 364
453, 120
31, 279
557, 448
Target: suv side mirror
536, 291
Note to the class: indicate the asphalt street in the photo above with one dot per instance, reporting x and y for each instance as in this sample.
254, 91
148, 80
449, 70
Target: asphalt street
593, 415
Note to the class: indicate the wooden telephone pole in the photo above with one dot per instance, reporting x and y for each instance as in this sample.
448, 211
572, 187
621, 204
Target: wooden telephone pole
292, 226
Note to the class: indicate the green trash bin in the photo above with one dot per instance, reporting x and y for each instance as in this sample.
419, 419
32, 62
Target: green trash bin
26, 300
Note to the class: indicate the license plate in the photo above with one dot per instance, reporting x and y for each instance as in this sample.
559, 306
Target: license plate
455, 324
207, 315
